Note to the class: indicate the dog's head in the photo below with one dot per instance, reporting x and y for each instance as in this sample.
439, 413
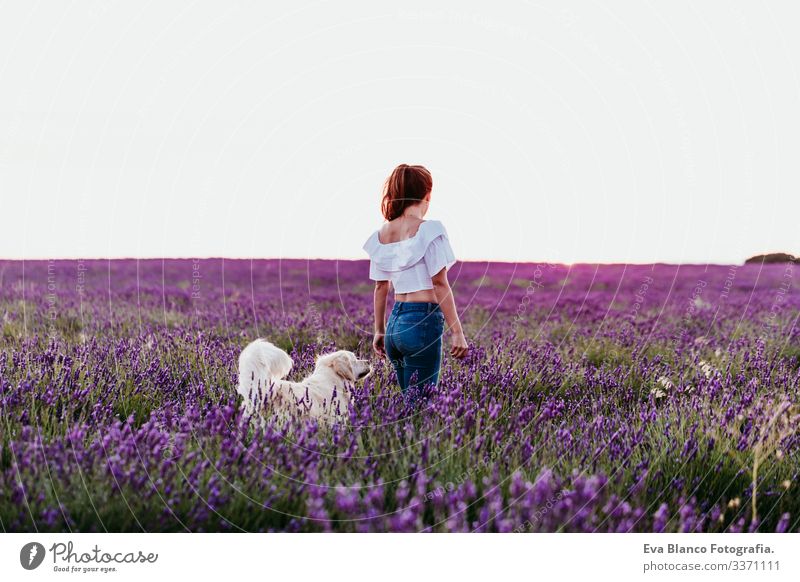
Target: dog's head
345, 365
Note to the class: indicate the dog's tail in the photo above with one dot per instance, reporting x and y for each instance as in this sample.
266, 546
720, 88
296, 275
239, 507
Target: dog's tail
260, 364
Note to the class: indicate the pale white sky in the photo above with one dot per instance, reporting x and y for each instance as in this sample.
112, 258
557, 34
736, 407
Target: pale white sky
594, 132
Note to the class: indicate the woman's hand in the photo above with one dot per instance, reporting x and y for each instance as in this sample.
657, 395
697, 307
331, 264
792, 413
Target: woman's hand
378, 346
459, 345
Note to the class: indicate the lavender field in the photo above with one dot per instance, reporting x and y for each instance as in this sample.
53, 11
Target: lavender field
594, 399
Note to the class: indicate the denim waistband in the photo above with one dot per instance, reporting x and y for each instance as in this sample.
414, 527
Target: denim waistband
402, 306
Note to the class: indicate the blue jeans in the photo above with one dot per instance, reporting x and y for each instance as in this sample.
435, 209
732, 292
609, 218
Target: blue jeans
414, 345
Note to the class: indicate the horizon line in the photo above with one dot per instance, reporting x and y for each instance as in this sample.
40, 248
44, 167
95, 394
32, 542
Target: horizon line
505, 261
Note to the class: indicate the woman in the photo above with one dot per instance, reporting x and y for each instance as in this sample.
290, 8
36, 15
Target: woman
413, 255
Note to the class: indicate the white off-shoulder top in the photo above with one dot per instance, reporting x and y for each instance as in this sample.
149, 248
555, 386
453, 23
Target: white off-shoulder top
409, 264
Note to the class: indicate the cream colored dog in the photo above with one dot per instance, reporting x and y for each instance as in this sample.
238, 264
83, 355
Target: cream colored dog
322, 395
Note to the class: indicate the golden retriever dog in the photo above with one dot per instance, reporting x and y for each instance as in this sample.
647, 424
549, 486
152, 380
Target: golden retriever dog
322, 395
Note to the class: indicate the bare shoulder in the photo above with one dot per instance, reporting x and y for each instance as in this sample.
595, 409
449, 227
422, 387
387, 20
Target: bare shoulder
385, 233
397, 230
414, 225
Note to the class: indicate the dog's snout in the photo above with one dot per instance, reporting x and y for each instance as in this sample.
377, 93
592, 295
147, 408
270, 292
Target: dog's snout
366, 369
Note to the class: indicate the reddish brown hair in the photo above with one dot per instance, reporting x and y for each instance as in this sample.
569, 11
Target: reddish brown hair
406, 186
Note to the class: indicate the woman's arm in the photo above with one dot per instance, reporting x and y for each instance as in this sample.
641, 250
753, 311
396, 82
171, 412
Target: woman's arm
379, 298
447, 303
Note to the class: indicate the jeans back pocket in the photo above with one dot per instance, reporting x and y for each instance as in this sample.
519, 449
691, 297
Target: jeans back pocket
410, 332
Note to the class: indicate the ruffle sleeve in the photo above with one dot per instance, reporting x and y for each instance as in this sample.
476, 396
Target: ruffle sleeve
372, 246
439, 254
377, 274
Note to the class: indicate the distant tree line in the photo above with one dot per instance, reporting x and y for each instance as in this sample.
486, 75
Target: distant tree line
772, 258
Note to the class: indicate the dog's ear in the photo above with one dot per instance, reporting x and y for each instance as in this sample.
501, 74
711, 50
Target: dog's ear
343, 367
